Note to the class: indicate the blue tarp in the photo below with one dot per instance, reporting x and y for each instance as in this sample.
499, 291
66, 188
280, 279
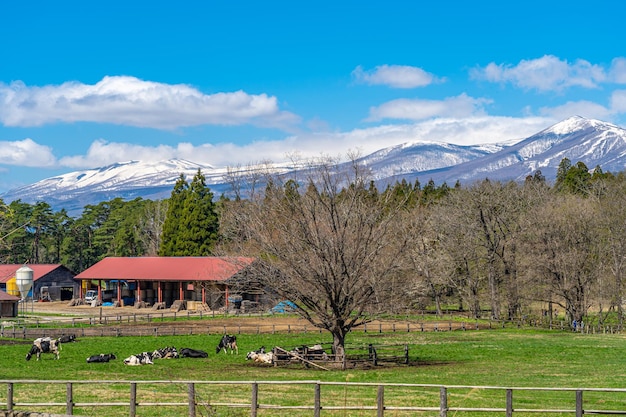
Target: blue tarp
284, 307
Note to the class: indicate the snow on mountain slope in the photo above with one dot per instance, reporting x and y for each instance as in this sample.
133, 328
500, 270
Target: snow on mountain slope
591, 141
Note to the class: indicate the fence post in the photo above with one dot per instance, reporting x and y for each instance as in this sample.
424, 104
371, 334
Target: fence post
69, 399
579, 403
443, 402
10, 396
380, 401
406, 354
254, 403
133, 399
509, 403
191, 395
318, 400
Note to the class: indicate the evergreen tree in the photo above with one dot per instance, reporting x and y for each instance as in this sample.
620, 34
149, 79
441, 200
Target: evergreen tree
191, 226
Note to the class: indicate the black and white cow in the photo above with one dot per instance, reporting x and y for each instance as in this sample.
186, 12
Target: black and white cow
67, 338
193, 353
168, 352
260, 356
44, 345
101, 358
228, 343
144, 358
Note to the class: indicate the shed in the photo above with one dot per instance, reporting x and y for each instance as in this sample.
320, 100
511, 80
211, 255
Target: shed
8, 305
208, 280
55, 281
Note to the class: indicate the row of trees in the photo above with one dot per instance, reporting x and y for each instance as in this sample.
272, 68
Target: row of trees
345, 251
185, 224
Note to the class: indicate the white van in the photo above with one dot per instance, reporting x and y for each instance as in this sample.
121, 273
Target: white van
91, 295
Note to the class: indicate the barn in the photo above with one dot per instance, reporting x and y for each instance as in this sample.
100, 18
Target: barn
8, 305
51, 282
216, 282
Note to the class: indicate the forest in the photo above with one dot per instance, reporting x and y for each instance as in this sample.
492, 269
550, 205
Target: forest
334, 242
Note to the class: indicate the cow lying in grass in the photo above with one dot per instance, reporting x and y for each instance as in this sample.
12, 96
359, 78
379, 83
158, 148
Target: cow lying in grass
144, 358
169, 352
101, 358
67, 338
44, 345
260, 356
193, 353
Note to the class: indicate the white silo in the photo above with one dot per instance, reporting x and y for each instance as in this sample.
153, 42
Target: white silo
24, 280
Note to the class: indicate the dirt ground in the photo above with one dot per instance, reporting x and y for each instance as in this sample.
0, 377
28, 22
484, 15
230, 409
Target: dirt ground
62, 310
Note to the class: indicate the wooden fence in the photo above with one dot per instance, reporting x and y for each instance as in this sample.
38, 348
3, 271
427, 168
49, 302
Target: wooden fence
124, 326
436, 399
188, 323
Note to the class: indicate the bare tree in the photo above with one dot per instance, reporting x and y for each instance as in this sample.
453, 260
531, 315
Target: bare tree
610, 196
331, 245
561, 252
429, 263
151, 226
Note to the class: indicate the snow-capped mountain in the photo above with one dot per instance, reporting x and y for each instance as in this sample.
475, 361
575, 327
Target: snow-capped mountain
591, 141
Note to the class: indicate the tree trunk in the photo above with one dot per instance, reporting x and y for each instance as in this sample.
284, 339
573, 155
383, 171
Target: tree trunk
339, 342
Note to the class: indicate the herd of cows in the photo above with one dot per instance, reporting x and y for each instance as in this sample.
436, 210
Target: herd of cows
227, 344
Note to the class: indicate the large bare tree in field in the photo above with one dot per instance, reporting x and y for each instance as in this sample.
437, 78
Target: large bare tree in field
329, 243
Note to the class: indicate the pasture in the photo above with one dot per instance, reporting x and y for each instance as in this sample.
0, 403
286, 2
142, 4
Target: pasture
503, 358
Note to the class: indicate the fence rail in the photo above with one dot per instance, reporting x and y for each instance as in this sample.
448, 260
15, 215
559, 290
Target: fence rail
441, 401
188, 323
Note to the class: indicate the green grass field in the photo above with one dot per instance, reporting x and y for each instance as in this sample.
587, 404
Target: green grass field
503, 358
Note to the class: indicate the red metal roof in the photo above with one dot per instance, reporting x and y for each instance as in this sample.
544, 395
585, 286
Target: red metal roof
166, 268
8, 297
39, 270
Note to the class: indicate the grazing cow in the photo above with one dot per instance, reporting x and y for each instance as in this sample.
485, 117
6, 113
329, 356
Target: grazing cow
101, 358
144, 358
193, 353
228, 343
44, 345
168, 352
67, 338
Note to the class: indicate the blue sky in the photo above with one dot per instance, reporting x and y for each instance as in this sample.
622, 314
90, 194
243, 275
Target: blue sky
86, 84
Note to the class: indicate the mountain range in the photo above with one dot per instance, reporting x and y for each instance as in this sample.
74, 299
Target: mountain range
594, 142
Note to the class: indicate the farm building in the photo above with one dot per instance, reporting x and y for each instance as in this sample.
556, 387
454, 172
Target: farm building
8, 305
217, 282
51, 282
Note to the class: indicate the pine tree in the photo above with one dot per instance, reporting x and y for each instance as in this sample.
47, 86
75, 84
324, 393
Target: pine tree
191, 225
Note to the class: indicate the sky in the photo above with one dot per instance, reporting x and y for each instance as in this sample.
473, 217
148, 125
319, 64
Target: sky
87, 84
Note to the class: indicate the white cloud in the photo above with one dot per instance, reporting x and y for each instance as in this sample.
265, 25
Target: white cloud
589, 109
547, 73
617, 72
396, 76
618, 101
467, 131
419, 109
130, 101
26, 153
582, 108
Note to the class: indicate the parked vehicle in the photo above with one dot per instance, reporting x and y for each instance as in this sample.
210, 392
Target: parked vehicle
91, 295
